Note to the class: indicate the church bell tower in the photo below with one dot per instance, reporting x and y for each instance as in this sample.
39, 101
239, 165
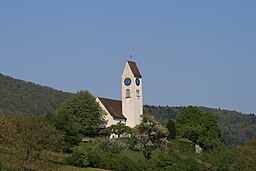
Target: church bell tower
132, 106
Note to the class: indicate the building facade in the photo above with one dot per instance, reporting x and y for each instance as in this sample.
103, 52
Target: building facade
130, 108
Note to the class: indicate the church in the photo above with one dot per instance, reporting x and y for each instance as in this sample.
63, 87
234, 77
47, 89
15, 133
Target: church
130, 108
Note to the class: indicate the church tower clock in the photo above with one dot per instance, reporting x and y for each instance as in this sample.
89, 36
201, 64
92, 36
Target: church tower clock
132, 106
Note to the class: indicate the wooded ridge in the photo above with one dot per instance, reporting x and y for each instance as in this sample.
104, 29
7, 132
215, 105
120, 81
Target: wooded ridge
22, 97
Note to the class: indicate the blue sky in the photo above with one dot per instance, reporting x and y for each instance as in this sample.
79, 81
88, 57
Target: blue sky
189, 52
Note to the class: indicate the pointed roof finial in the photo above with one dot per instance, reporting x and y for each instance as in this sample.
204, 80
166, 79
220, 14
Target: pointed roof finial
130, 56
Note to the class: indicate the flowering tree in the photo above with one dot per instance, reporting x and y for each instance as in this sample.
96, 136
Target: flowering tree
149, 135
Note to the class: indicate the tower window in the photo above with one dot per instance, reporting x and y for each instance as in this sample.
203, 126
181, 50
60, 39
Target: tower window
128, 93
138, 93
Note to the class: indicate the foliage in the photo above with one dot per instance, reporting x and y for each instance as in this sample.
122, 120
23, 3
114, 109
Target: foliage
149, 135
6, 129
119, 129
85, 111
66, 124
172, 129
22, 97
201, 128
99, 158
32, 138
236, 128
78, 158
72, 168
112, 145
173, 162
245, 157
182, 145
220, 158
163, 113
77, 117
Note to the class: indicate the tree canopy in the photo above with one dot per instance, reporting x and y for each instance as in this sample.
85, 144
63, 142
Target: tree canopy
77, 117
85, 111
119, 129
201, 128
22, 97
236, 128
149, 135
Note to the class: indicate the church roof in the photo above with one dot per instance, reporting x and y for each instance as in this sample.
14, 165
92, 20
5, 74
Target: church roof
134, 69
114, 107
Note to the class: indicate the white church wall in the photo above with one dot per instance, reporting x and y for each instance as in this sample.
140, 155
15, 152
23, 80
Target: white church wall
108, 118
132, 107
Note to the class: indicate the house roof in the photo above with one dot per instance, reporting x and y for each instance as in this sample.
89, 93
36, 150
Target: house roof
134, 69
114, 107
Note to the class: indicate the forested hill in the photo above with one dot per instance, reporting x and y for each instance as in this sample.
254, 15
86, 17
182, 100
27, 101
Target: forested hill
237, 128
21, 97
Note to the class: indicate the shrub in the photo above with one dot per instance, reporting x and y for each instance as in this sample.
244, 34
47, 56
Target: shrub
100, 158
182, 145
174, 162
78, 158
220, 158
110, 145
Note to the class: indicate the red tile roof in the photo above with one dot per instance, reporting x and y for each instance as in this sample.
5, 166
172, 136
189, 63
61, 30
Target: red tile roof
114, 107
134, 69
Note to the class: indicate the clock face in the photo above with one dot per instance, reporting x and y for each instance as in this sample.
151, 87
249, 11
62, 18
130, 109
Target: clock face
127, 81
137, 81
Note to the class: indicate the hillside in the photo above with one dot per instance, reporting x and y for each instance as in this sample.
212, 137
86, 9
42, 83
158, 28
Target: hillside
237, 128
21, 97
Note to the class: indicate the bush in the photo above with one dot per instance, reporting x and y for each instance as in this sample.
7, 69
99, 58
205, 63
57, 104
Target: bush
174, 162
182, 145
78, 158
100, 158
110, 145
220, 158
113, 146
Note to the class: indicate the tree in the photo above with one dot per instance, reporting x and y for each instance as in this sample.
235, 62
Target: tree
149, 135
84, 111
33, 136
66, 124
7, 130
201, 128
119, 129
245, 157
172, 130
79, 157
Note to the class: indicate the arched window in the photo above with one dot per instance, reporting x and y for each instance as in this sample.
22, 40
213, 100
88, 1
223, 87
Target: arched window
128, 94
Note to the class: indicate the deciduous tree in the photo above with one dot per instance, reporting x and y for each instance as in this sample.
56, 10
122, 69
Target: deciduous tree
7, 130
201, 128
85, 111
33, 136
119, 129
149, 135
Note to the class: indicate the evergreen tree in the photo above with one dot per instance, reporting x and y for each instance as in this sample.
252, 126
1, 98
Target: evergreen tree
172, 129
